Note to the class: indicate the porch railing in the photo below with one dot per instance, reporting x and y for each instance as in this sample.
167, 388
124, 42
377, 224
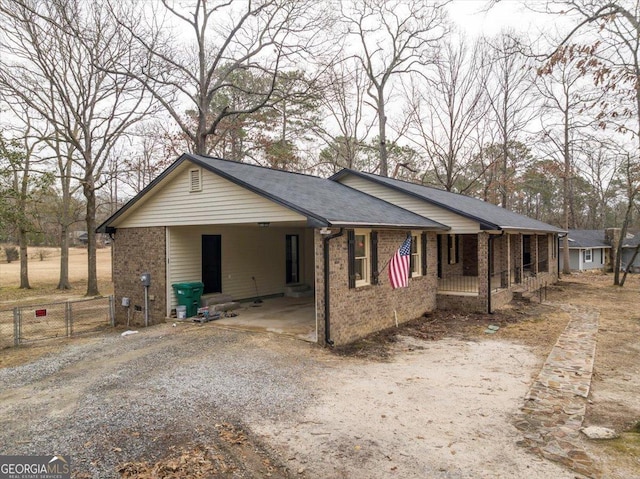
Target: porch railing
458, 283
499, 280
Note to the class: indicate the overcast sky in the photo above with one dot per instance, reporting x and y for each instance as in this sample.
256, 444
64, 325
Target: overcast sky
473, 17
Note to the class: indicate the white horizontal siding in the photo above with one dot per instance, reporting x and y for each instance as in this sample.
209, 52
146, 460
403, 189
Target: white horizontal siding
246, 252
458, 224
220, 201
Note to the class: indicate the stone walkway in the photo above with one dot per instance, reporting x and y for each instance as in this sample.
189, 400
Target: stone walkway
555, 405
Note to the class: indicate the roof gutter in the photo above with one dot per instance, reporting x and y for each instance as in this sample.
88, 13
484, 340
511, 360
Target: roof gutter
327, 307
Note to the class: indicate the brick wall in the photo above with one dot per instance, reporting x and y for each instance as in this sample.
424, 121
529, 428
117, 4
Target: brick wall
137, 251
360, 311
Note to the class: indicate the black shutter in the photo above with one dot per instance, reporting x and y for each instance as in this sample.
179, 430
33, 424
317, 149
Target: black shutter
423, 252
457, 249
351, 257
449, 244
374, 257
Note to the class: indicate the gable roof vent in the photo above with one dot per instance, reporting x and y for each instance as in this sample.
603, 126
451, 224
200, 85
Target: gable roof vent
195, 180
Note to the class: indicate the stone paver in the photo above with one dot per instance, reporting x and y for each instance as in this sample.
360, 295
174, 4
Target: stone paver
556, 403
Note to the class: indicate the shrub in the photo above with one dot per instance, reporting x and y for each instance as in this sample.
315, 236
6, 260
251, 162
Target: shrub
43, 254
12, 253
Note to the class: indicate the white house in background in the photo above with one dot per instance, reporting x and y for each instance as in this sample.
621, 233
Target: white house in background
588, 250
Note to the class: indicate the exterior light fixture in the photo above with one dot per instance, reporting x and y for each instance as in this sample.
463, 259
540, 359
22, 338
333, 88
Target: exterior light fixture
264, 224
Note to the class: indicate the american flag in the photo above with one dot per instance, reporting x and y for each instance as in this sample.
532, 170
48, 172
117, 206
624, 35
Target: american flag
399, 265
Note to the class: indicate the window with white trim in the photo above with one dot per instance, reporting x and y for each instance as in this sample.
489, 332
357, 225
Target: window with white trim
362, 257
416, 254
587, 256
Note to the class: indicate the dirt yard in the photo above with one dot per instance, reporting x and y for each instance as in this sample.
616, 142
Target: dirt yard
44, 273
435, 398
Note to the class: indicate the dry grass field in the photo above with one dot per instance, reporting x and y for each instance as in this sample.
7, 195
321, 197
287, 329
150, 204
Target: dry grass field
44, 272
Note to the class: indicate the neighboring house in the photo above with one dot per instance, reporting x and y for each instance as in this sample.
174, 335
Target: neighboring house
596, 249
629, 246
489, 252
588, 249
237, 227
82, 237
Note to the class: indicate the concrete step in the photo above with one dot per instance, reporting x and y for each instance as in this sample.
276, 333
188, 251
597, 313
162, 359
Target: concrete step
215, 298
298, 291
223, 307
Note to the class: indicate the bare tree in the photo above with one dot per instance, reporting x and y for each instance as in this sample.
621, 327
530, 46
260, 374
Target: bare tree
509, 91
393, 38
613, 61
58, 58
346, 127
228, 40
565, 96
446, 120
18, 159
599, 164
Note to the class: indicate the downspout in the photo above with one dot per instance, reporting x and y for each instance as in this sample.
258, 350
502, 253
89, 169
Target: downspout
327, 319
490, 268
558, 253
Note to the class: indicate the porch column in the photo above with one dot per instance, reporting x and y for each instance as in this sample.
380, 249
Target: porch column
534, 254
518, 260
483, 265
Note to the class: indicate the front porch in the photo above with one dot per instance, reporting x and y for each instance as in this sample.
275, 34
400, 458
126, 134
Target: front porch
479, 272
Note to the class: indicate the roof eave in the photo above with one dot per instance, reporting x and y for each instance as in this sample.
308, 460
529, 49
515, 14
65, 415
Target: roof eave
484, 225
346, 224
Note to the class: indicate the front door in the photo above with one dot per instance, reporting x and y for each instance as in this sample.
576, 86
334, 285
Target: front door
212, 263
292, 259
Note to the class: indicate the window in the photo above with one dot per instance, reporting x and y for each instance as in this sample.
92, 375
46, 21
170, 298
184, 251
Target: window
416, 253
587, 255
195, 180
361, 255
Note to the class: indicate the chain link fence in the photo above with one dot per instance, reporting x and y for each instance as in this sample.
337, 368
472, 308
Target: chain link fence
54, 320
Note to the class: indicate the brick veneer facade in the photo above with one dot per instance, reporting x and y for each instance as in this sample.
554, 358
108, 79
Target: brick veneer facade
137, 251
356, 312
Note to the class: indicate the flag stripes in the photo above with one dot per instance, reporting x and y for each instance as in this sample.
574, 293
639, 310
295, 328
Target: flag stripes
399, 265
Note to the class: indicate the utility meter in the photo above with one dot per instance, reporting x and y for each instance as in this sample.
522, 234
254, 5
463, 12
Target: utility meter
145, 278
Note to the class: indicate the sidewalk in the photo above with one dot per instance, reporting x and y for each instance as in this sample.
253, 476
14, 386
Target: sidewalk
555, 406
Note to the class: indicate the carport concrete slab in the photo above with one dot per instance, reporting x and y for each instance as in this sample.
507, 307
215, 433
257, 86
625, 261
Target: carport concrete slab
292, 316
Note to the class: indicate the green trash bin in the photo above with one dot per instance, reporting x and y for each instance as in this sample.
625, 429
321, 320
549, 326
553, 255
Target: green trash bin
188, 294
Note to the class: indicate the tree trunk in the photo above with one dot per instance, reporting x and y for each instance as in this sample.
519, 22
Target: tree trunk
382, 133
566, 193
63, 282
24, 260
92, 270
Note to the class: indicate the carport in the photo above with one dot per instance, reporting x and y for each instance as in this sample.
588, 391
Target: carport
283, 315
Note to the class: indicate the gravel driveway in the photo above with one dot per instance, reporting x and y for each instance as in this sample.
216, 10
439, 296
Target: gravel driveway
438, 409
113, 399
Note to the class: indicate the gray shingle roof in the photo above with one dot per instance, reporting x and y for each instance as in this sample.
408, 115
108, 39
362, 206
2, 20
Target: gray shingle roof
587, 239
488, 215
323, 202
319, 199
